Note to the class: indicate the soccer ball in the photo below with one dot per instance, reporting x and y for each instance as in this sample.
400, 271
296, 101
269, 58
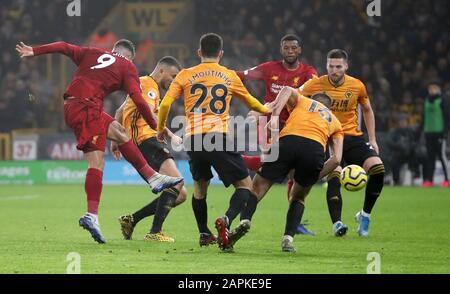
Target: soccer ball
353, 178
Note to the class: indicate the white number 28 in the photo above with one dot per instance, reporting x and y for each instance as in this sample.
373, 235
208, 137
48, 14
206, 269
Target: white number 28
104, 60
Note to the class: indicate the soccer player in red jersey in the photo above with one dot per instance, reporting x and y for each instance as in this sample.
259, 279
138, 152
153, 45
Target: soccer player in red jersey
99, 73
277, 74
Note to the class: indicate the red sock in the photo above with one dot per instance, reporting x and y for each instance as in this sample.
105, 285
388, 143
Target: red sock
93, 187
252, 162
132, 154
290, 184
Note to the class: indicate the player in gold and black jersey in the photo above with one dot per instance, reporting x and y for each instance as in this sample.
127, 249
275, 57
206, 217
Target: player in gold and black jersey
347, 93
156, 153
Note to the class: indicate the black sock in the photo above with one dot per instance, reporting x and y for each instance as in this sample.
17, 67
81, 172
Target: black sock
374, 186
294, 217
334, 198
250, 208
201, 214
145, 211
165, 204
237, 204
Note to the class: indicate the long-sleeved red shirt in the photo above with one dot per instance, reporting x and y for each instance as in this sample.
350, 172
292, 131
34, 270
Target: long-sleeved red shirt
100, 73
276, 76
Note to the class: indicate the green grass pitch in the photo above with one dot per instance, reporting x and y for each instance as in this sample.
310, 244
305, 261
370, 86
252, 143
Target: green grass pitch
39, 227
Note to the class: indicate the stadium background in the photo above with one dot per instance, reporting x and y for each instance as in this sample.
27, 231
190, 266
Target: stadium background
395, 55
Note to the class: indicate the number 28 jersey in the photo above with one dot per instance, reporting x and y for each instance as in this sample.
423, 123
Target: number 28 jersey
207, 90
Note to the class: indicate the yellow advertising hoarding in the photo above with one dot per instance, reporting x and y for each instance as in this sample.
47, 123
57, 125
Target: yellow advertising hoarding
155, 17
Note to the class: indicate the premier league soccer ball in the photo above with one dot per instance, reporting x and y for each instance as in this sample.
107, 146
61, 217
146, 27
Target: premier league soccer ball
353, 178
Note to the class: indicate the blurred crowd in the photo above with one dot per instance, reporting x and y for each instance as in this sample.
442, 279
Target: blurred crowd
395, 54
28, 99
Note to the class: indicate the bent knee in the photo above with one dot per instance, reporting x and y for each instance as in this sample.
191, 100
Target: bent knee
243, 184
371, 161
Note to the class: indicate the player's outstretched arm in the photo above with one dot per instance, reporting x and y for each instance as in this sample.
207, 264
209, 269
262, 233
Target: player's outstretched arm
72, 51
24, 50
251, 74
336, 144
287, 96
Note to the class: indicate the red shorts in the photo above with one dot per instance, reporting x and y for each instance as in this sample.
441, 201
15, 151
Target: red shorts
89, 123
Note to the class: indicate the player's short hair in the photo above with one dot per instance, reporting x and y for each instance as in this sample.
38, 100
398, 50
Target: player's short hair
170, 61
338, 54
291, 37
322, 98
127, 44
211, 44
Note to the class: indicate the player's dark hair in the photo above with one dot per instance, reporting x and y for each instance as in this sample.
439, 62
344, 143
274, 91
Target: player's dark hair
170, 61
291, 37
338, 54
322, 98
211, 44
435, 82
127, 44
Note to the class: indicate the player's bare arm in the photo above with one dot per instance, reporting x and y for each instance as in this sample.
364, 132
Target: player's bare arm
172, 137
336, 145
287, 96
369, 120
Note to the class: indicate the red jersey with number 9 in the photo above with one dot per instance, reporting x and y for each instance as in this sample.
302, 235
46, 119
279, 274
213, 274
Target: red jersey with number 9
99, 72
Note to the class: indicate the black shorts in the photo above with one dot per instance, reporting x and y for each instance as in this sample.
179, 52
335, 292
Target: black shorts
229, 165
154, 152
356, 150
304, 155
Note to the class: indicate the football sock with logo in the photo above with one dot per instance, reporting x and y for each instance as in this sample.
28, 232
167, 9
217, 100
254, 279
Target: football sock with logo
294, 217
334, 197
132, 154
374, 186
93, 187
165, 204
237, 204
201, 214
